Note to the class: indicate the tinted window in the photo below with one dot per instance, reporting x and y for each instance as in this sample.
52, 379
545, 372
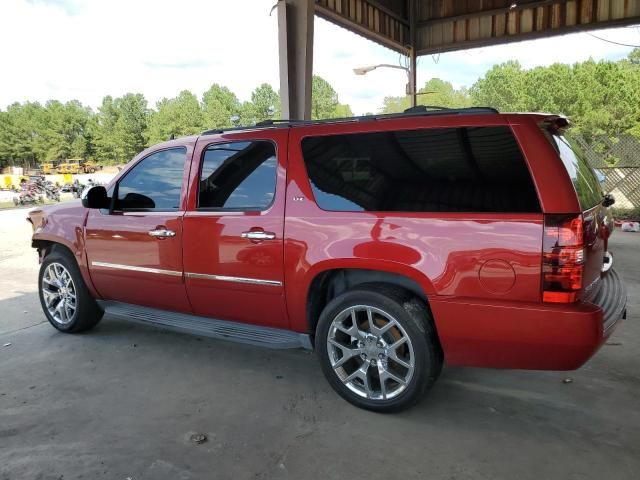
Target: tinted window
238, 176
154, 183
582, 175
442, 170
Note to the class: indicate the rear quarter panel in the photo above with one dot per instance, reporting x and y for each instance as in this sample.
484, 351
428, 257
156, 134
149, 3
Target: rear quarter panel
461, 255
552, 182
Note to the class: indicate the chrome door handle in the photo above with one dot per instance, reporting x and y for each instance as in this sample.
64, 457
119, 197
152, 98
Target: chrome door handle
258, 235
162, 233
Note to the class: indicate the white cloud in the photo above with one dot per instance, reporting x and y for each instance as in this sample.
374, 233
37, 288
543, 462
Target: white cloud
85, 49
154, 47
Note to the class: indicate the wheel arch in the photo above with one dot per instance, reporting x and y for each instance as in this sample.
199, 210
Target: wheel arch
45, 244
45, 247
328, 283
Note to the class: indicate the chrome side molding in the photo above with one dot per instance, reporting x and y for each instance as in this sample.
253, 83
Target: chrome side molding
133, 268
205, 276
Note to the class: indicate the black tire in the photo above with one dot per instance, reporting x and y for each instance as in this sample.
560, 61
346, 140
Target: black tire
413, 316
87, 313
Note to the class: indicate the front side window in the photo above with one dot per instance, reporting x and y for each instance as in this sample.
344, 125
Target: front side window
154, 183
238, 176
469, 169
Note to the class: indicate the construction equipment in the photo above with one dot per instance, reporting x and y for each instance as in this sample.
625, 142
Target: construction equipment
76, 166
90, 167
48, 169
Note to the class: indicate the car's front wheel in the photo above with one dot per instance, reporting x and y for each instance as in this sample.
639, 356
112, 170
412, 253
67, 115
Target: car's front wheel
378, 347
64, 297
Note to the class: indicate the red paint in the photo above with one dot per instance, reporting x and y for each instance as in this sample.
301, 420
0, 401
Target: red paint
213, 245
480, 272
123, 238
497, 276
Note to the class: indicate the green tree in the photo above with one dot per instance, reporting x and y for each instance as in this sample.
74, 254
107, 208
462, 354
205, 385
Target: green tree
130, 128
102, 128
600, 98
62, 131
541, 99
21, 141
177, 116
503, 87
435, 92
265, 104
342, 110
324, 99
119, 130
6, 142
219, 105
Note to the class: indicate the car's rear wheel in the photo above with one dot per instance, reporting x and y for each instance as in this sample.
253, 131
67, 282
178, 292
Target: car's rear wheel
64, 297
378, 347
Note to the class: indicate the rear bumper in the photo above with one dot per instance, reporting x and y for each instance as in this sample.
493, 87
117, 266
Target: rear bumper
535, 336
612, 300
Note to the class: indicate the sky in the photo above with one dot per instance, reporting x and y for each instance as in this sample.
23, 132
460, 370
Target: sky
86, 49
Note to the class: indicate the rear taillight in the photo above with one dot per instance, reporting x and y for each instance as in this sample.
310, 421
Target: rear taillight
563, 258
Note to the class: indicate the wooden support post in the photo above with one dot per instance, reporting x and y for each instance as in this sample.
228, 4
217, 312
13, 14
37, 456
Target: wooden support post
295, 41
413, 57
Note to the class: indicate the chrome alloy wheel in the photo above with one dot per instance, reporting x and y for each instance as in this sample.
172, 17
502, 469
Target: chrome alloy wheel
59, 293
370, 352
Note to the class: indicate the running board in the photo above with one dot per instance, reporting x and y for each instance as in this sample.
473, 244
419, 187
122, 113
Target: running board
208, 327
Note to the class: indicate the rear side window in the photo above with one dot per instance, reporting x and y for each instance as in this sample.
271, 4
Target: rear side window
470, 169
154, 183
582, 175
238, 176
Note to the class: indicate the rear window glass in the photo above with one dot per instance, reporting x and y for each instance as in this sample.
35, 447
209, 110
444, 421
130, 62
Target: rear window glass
471, 169
582, 175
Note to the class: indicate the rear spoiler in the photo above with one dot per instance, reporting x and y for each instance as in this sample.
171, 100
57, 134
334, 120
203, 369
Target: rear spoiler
555, 123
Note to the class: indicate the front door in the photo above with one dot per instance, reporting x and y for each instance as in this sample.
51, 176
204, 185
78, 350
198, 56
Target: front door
234, 227
135, 252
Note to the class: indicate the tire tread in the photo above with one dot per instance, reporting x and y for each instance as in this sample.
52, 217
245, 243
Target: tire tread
417, 319
89, 312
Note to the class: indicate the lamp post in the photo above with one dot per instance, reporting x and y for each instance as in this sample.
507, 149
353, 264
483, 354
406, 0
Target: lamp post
410, 89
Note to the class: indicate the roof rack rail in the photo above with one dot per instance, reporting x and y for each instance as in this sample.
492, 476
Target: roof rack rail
417, 111
275, 121
213, 131
271, 122
435, 108
423, 108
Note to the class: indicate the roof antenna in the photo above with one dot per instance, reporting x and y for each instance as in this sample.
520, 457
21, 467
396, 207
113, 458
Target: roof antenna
172, 136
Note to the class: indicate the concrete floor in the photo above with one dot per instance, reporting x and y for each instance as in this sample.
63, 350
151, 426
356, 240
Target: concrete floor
121, 402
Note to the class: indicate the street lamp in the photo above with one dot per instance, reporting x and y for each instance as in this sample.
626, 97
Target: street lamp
410, 89
370, 68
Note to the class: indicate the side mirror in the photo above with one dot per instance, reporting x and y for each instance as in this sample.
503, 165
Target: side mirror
96, 197
608, 200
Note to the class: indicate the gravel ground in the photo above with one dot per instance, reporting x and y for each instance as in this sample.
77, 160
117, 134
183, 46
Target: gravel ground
123, 401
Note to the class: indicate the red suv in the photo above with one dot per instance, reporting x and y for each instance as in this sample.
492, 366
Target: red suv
390, 244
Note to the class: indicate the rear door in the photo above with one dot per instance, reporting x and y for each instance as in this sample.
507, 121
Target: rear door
233, 229
135, 251
595, 215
